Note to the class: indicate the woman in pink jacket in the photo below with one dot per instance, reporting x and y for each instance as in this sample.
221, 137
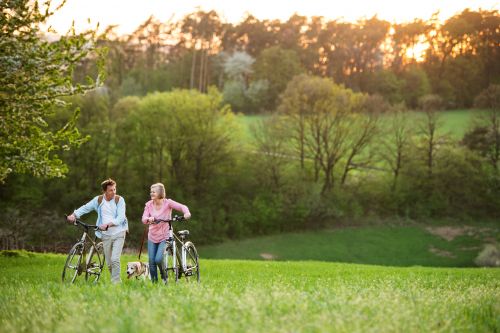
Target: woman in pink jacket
159, 208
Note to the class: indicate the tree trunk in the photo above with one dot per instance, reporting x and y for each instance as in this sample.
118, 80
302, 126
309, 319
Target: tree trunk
193, 69
202, 69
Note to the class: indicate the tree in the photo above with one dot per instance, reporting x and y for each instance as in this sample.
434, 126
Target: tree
430, 139
277, 66
396, 142
406, 37
416, 85
323, 122
243, 95
201, 32
297, 102
485, 137
366, 130
34, 74
271, 139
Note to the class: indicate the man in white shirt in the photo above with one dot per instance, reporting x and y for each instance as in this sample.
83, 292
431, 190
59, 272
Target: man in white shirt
112, 223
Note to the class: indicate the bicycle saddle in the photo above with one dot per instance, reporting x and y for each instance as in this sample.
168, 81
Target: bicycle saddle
183, 232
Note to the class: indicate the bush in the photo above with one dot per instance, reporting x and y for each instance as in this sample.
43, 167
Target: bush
489, 256
430, 102
488, 98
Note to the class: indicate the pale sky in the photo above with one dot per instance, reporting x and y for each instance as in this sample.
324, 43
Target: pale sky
129, 14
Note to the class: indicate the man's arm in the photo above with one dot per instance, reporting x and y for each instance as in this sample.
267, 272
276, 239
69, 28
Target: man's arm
87, 208
120, 213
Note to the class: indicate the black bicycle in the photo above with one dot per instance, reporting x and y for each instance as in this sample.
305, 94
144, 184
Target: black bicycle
86, 256
180, 258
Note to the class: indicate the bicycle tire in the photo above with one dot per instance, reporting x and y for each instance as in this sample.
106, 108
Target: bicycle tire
95, 263
192, 263
171, 270
73, 265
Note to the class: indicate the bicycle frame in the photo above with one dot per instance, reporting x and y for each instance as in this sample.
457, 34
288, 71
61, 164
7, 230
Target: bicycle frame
84, 249
86, 239
183, 255
178, 247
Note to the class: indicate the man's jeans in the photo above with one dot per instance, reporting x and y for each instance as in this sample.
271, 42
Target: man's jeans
155, 254
113, 246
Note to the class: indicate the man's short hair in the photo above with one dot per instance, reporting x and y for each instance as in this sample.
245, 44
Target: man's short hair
106, 183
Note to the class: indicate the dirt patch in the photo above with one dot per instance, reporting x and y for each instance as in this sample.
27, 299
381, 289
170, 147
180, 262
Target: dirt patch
451, 232
268, 256
441, 253
471, 248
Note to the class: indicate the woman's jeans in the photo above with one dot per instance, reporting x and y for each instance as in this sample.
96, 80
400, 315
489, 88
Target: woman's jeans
155, 254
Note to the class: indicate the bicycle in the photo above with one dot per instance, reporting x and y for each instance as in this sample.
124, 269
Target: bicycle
179, 263
86, 247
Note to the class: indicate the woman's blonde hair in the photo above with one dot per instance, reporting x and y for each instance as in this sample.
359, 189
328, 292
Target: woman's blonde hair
160, 189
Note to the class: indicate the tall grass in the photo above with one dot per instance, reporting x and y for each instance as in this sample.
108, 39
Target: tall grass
250, 296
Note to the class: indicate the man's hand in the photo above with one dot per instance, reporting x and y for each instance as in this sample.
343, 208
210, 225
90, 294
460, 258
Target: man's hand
71, 218
104, 227
187, 216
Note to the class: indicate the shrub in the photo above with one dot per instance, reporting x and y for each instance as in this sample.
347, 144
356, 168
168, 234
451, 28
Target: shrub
489, 256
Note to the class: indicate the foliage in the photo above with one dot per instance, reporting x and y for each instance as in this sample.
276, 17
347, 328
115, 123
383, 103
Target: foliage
276, 66
34, 74
239, 91
489, 256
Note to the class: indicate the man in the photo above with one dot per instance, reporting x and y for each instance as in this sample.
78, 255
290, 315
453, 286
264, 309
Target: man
112, 224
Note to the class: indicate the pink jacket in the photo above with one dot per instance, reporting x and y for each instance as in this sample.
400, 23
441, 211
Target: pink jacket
159, 232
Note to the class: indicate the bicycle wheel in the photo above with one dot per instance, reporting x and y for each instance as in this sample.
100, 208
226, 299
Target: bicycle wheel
95, 263
192, 263
73, 266
170, 265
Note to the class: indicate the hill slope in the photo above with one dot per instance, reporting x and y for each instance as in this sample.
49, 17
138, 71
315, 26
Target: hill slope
381, 245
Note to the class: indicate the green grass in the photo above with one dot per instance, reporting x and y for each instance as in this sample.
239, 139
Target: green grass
380, 245
252, 296
246, 123
454, 122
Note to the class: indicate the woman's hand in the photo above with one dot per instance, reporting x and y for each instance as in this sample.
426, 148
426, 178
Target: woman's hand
187, 216
150, 219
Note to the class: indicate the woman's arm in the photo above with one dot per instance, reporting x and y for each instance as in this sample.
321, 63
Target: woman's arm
146, 214
180, 207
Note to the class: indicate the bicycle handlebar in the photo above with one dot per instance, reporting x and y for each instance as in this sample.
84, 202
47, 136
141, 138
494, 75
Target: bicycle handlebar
83, 224
176, 218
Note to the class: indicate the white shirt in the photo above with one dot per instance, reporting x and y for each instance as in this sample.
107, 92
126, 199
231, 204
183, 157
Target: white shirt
108, 213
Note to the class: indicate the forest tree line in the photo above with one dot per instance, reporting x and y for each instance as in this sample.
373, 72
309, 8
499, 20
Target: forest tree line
251, 62
337, 143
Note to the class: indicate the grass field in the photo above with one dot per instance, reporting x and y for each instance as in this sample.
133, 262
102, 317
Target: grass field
253, 296
379, 245
454, 122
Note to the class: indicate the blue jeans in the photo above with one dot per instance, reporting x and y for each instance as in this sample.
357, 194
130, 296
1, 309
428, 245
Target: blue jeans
155, 254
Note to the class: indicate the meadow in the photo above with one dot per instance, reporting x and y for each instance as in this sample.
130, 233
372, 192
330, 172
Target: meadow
454, 123
393, 245
252, 296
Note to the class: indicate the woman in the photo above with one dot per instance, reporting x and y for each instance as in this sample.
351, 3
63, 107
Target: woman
159, 208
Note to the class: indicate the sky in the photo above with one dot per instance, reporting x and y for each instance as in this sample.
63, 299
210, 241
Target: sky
129, 14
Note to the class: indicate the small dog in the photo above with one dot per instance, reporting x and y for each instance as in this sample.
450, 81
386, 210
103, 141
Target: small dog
138, 269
